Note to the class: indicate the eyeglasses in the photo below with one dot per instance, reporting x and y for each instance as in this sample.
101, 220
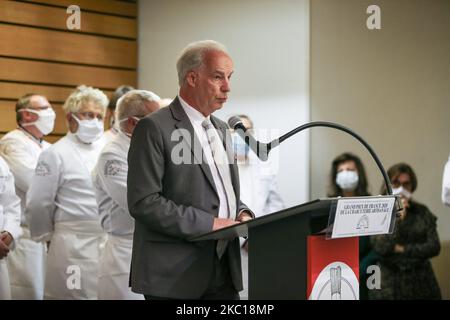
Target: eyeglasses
404, 184
90, 115
36, 109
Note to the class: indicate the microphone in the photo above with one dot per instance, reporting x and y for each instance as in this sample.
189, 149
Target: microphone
262, 149
259, 148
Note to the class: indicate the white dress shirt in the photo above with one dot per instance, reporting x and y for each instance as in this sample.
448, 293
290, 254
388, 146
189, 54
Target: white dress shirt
62, 189
196, 118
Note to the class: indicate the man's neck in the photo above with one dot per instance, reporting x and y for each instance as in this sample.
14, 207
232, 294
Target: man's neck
190, 100
32, 131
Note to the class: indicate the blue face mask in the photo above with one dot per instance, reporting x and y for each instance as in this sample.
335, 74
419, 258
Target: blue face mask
240, 148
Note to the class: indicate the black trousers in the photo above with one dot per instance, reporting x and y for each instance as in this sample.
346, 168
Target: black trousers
221, 285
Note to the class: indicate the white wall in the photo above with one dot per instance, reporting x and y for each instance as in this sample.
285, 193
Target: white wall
392, 87
269, 43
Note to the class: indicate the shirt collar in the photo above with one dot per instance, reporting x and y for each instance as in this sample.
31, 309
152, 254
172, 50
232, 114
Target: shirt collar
121, 135
29, 135
193, 114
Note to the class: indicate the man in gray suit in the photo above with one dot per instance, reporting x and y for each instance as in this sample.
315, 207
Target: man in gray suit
174, 196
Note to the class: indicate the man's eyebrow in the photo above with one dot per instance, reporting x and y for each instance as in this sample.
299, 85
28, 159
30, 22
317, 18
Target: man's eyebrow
222, 73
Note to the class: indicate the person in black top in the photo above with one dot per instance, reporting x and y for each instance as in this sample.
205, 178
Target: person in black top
406, 271
348, 179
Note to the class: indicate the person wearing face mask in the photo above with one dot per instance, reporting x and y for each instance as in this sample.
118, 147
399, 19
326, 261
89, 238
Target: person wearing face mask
21, 149
259, 189
406, 271
113, 126
110, 182
10, 230
61, 205
348, 179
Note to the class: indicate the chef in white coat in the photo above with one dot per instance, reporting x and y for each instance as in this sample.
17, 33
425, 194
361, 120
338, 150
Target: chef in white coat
258, 189
110, 113
446, 184
10, 230
21, 149
61, 204
110, 182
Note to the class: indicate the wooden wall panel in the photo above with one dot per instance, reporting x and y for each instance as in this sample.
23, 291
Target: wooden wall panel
67, 47
55, 17
39, 54
104, 6
52, 138
63, 74
14, 91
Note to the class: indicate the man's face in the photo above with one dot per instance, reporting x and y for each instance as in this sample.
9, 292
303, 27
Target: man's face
212, 81
36, 103
88, 111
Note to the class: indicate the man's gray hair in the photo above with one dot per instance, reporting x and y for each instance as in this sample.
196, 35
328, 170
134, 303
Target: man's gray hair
191, 57
23, 103
83, 94
132, 104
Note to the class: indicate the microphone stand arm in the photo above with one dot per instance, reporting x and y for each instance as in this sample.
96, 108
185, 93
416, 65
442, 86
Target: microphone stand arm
276, 142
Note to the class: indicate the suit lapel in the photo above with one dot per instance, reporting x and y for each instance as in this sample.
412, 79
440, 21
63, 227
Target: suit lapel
190, 137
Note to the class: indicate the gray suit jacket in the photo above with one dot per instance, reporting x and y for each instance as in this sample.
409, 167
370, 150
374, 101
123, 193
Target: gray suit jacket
170, 203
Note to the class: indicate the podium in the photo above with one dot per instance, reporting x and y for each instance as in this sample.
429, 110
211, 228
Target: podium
278, 246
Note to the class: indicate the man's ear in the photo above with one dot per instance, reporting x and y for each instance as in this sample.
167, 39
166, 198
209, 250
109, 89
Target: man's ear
191, 78
29, 116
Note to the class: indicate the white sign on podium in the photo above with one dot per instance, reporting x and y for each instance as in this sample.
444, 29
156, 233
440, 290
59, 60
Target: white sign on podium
362, 216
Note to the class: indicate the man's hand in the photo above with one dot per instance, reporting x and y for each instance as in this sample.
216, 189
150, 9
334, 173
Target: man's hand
4, 249
399, 248
7, 238
405, 205
220, 223
244, 216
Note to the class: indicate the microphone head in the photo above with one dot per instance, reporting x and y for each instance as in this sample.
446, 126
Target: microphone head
234, 122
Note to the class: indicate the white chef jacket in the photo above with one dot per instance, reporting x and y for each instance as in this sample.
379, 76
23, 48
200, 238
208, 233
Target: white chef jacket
21, 151
26, 263
258, 186
258, 191
9, 203
61, 189
110, 134
62, 209
110, 183
9, 221
446, 184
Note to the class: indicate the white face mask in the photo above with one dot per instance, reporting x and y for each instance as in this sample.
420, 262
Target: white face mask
402, 191
347, 180
89, 130
45, 122
126, 119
